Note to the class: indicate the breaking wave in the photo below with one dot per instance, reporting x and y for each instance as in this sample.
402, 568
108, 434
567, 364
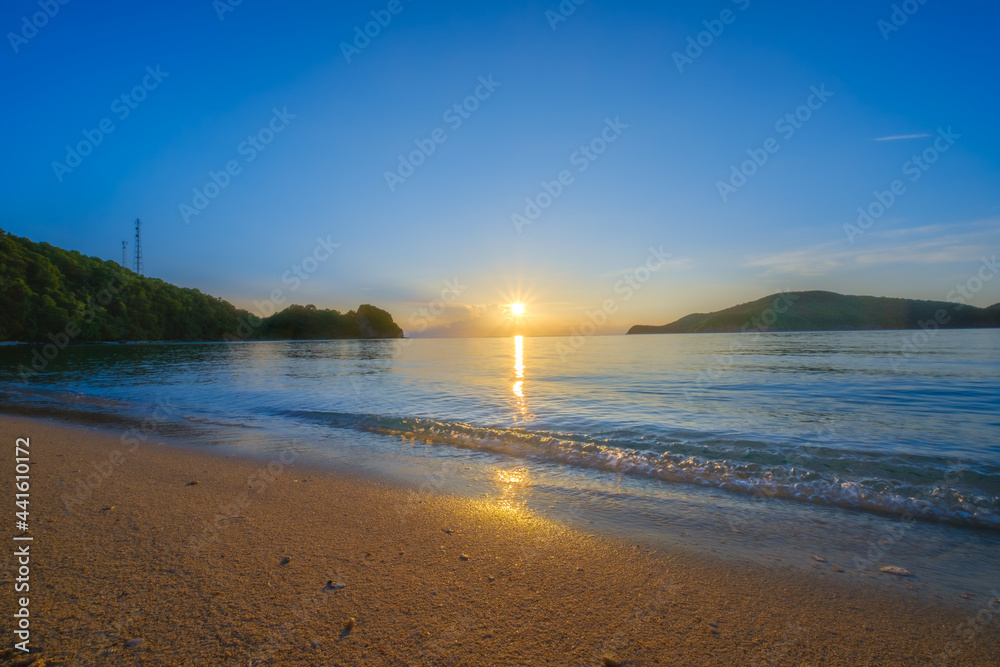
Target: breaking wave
927, 488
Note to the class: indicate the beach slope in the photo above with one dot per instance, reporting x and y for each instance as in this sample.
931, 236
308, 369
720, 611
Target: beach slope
167, 555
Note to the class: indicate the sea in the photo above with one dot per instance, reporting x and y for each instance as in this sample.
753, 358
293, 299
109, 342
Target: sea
842, 452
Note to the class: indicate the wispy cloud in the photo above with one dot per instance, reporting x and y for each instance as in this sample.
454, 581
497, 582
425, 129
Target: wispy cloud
958, 243
911, 231
673, 264
897, 137
816, 260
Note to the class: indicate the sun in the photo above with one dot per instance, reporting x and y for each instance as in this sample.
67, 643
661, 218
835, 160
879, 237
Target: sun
517, 309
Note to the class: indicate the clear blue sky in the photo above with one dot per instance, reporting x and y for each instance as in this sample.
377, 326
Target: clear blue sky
656, 185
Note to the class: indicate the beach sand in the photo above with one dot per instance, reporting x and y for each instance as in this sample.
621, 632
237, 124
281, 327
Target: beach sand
150, 568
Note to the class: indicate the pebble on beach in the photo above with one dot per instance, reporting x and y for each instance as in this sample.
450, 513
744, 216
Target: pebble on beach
463, 557
133, 642
608, 662
895, 569
819, 558
331, 586
286, 560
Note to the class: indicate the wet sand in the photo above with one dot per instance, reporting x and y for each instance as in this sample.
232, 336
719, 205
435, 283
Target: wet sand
134, 563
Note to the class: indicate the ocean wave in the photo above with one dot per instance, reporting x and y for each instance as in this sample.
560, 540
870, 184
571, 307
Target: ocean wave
923, 488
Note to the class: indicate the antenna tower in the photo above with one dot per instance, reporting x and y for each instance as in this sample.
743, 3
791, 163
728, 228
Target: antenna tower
138, 246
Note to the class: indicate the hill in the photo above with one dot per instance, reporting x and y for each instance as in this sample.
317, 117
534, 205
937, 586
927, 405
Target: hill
829, 311
47, 293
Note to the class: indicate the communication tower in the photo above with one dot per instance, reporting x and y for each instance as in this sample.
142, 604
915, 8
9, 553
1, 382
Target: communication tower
138, 246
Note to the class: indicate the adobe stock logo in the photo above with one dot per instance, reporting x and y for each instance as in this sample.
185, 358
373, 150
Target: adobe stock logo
898, 18
565, 9
696, 44
787, 125
37, 21
582, 158
915, 167
454, 115
250, 148
122, 106
626, 287
363, 37
222, 7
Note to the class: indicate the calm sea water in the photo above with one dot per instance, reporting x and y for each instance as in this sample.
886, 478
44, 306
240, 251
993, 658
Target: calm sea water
761, 445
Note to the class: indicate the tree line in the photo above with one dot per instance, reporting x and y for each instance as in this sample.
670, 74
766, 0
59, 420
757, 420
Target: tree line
48, 292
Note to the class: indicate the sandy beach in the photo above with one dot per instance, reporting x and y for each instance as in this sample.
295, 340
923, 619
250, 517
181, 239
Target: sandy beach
167, 555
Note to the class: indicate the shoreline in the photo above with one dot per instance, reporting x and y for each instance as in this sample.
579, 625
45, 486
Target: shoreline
194, 571
85, 343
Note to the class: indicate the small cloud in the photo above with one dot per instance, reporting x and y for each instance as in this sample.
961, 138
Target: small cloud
897, 137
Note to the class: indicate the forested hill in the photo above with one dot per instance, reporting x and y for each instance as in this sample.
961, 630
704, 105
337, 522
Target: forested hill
829, 311
48, 292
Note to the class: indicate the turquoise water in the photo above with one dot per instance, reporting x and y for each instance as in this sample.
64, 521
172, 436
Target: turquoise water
684, 438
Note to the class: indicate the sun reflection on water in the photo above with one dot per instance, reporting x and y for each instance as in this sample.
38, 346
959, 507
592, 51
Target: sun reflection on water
518, 401
519, 356
512, 484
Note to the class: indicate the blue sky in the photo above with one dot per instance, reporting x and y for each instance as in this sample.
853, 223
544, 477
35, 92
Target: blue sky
442, 239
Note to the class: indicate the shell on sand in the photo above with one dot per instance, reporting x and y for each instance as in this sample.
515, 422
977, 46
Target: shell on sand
894, 569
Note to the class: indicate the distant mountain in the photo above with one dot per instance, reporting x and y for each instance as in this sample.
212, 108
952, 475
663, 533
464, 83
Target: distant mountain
828, 311
48, 294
